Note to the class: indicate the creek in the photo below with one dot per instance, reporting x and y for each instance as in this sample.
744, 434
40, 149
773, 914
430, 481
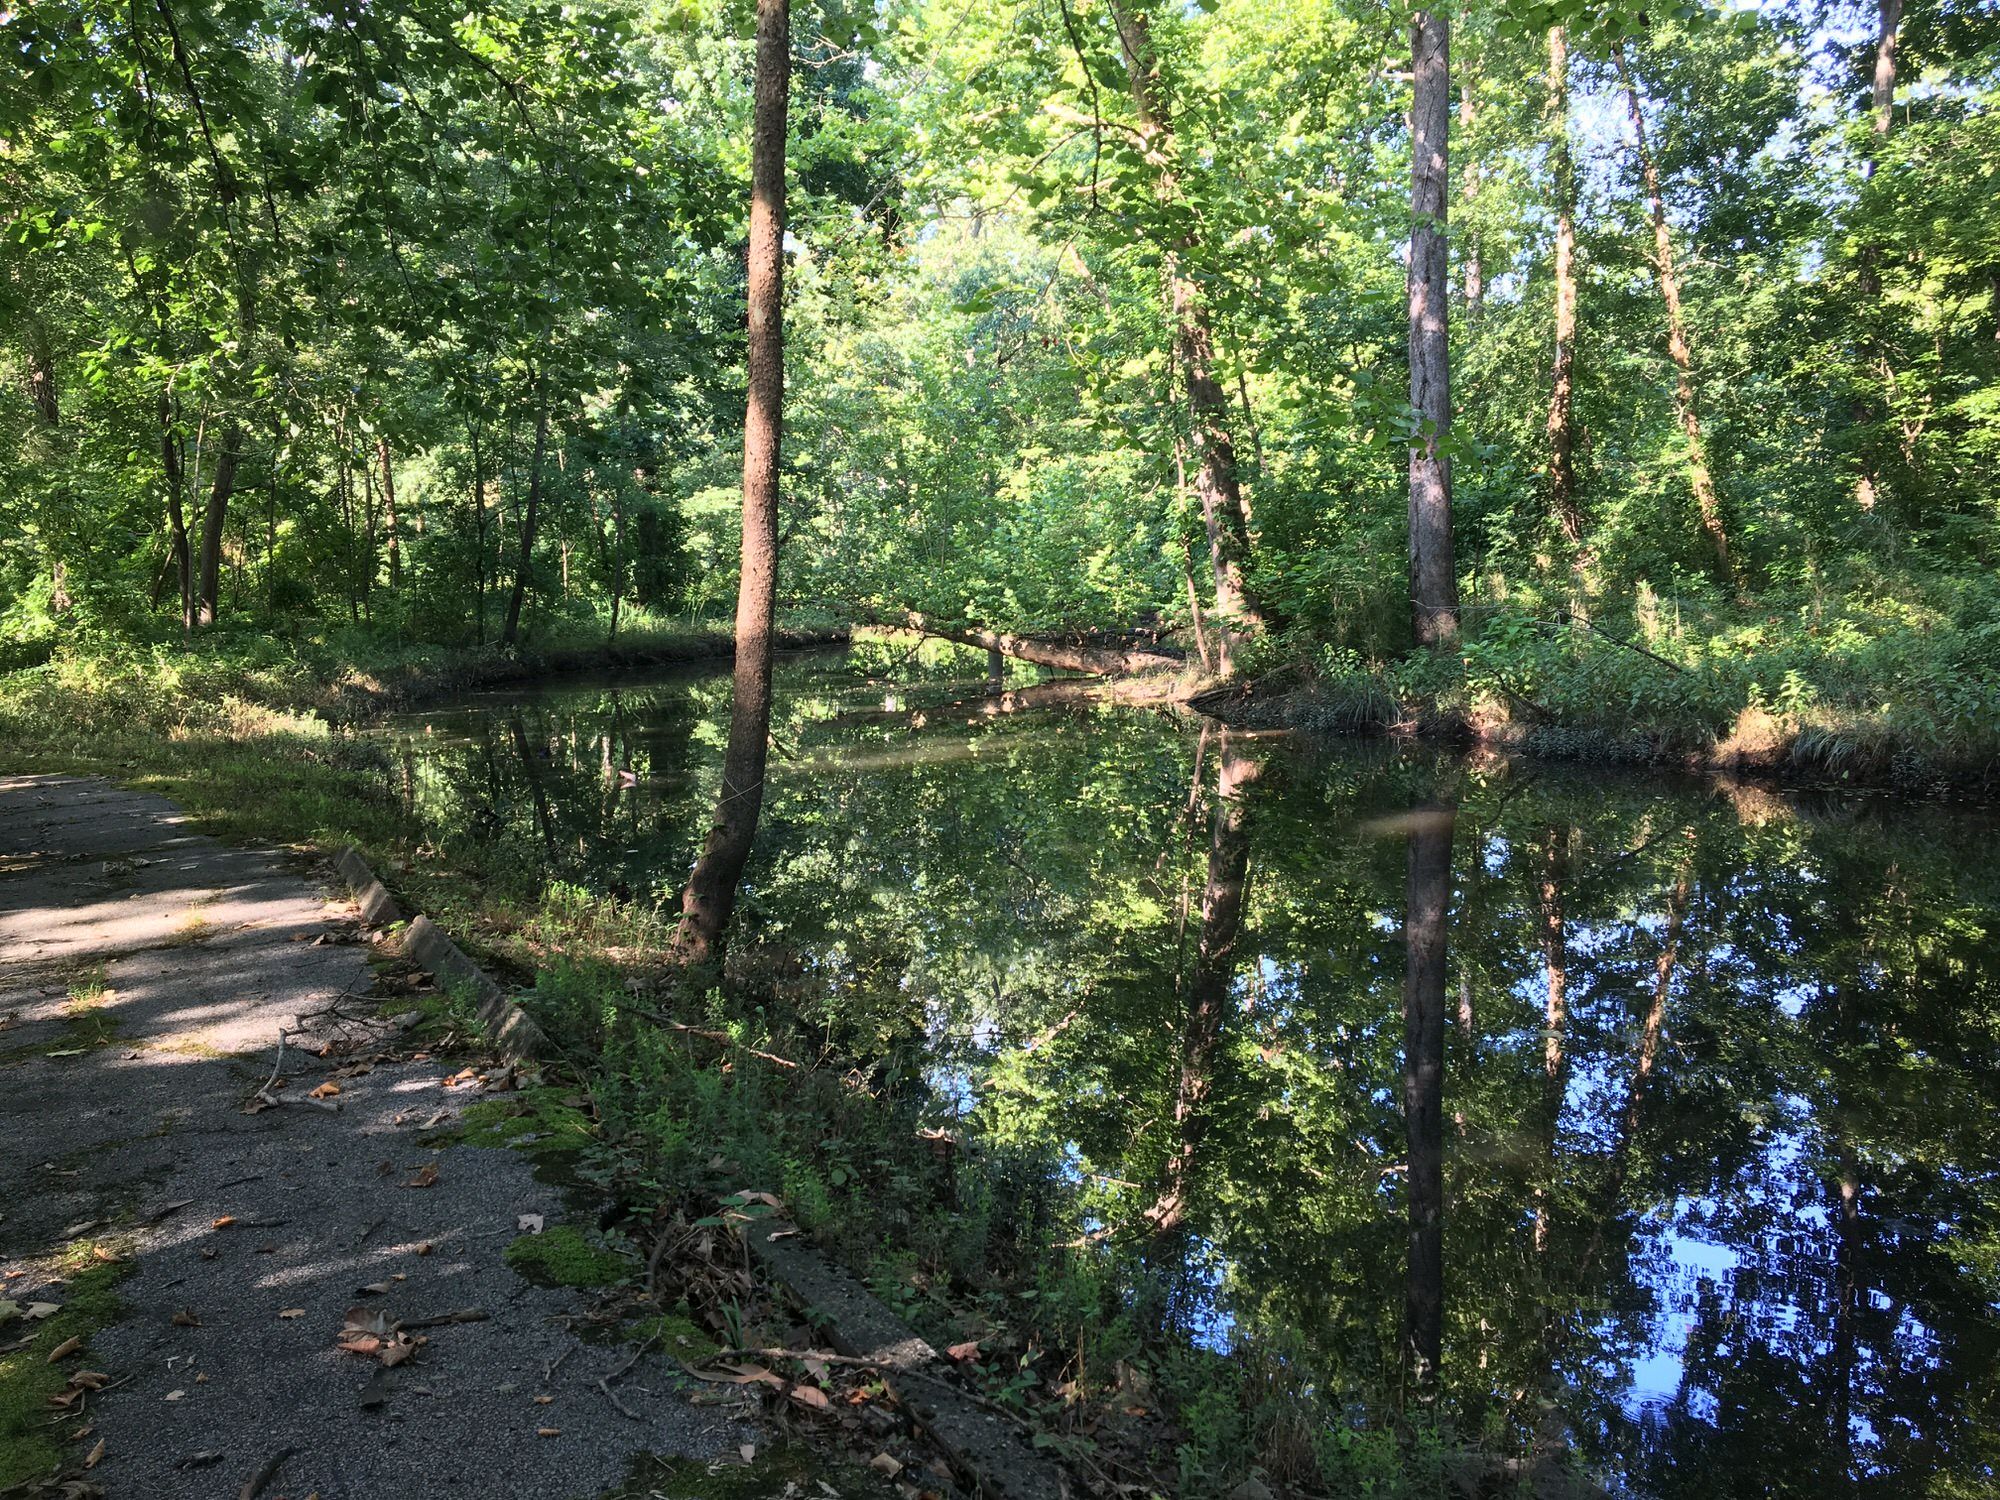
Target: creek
1659, 1113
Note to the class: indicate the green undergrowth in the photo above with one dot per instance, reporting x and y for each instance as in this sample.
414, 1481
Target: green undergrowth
1893, 688
776, 1470
563, 1255
87, 1290
541, 1121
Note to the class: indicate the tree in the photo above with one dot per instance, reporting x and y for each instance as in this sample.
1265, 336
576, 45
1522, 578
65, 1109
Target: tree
1562, 377
1433, 576
710, 896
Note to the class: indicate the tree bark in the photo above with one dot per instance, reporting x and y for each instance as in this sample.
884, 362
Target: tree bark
208, 602
1707, 505
1433, 577
1562, 383
530, 517
1225, 510
1884, 93
711, 889
1208, 985
1428, 903
479, 531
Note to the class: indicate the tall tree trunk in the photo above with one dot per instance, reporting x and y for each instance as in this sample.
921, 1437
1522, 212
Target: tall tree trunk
711, 889
1707, 505
1225, 511
1208, 984
171, 463
1884, 94
524, 569
1433, 576
389, 512
1475, 269
1562, 384
41, 379
479, 532
1427, 908
208, 603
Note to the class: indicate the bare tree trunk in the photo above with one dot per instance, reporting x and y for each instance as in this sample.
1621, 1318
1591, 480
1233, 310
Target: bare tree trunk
479, 525
170, 460
41, 380
1225, 511
1433, 576
389, 512
525, 568
1884, 100
208, 602
1101, 660
1475, 270
1700, 476
1208, 984
711, 889
1427, 908
1562, 384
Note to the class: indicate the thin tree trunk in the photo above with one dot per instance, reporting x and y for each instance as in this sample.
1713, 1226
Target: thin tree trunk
41, 381
1101, 660
1864, 409
1433, 576
525, 567
479, 532
1225, 511
1884, 94
1707, 505
1552, 934
389, 513
1562, 383
711, 889
171, 462
208, 604
1475, 269
1427, 907
1208, 985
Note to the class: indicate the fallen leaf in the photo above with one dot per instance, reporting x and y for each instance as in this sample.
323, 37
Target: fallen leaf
395, 1351
105, 1255
885, 1463
36, 1311
64, 1350
426, 1177
95, 1454
174, 1395
748, 1450
222, 1223
201, 1460
548, 1432
967, 1350
809, 1395
291, 1312
90, 1380
425, 1248
184, 1317
326, 1090
530, 1223
543, 1400
375, 1289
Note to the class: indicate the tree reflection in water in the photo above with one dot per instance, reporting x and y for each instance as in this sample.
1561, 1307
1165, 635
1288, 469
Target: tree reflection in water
1700, 1187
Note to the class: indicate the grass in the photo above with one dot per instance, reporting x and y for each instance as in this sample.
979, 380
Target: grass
30, 1448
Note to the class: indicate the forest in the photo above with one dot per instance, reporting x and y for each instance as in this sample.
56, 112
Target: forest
1277, 710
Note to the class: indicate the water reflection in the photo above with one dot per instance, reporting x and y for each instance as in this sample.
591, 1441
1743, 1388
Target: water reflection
1644, 1126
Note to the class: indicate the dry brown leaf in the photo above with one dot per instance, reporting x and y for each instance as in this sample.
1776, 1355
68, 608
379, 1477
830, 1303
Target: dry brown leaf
184, 1317
543, 1400
809, 1395
426, 1177
90, 1380
64, 1350
291, 1312
425, 1248
395, 1351
548, 1432
105, 1254
222, 1223
326, 1090
967, 1350
95, 1454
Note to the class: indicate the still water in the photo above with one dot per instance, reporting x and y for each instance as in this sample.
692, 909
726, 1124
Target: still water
1694, 1090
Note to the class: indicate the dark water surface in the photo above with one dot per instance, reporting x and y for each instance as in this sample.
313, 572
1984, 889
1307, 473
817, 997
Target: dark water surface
1701, 1083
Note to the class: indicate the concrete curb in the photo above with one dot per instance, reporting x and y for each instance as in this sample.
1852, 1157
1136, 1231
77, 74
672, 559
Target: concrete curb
857, 1324
506, 1025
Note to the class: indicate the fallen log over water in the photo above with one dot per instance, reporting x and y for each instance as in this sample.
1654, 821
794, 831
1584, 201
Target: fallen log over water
1068, 656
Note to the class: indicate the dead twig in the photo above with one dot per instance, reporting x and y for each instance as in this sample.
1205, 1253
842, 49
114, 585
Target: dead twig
604, 1381
266, 1472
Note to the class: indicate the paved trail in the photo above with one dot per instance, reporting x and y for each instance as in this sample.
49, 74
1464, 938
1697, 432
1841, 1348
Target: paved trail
206, 952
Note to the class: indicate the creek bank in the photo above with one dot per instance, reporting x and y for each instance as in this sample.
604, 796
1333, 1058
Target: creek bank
1759, 747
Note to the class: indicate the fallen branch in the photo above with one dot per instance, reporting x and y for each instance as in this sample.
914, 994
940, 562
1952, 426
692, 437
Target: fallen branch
266, 1472
604, 1381
858, 1362
439, 1320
